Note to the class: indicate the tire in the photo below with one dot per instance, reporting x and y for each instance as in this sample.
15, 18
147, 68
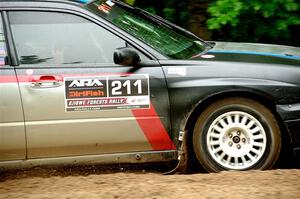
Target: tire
236, 134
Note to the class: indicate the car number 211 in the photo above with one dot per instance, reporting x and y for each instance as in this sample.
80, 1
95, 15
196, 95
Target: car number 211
123, 86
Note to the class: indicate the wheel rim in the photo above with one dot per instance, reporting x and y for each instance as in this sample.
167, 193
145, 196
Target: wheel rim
236, 140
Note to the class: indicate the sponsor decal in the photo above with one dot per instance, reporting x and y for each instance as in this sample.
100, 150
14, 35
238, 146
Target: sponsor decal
106, 7
208, 56
107, 92
177, 71
110, 3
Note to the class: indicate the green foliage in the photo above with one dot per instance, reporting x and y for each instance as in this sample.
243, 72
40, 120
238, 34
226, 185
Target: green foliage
224, 12
151, 10
169, 13
130, 2
258, 20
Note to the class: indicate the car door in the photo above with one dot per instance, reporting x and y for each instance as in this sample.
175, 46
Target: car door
12, 131
76, 100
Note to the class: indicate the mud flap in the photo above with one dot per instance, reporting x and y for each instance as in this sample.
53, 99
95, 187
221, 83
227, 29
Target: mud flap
182, 155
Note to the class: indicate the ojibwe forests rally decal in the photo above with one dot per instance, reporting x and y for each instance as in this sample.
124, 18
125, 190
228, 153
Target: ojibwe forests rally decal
107, 92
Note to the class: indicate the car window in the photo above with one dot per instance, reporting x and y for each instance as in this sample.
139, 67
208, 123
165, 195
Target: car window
3, 53
60, 38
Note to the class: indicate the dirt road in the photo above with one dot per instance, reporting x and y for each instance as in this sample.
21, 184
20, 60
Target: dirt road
45, 183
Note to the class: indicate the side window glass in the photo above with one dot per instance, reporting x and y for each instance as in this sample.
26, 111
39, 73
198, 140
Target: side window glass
59, 38
3, 53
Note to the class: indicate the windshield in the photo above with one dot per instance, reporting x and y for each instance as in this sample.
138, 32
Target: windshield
161, 35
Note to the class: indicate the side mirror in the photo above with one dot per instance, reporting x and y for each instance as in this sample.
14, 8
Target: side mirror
126, 56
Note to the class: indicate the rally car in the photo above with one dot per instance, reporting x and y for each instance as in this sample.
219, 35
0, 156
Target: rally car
103, 83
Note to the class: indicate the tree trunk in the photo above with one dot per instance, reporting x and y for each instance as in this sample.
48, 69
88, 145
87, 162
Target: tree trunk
197, 18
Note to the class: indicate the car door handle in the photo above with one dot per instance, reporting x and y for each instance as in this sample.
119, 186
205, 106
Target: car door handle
46, 81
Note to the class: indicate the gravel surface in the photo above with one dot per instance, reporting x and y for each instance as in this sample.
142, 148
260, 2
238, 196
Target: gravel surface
95, 183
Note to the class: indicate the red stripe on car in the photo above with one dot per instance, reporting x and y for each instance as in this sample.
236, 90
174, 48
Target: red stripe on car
8, 79
153, 129
26, 78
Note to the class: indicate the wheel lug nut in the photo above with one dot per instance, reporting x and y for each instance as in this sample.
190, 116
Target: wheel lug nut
230, 143
230, 135
238, 133
238, 146
244, 140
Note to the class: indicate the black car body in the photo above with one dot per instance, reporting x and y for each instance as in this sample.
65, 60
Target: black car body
233, 105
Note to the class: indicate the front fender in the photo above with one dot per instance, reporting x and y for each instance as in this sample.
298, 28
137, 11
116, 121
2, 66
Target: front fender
188, 97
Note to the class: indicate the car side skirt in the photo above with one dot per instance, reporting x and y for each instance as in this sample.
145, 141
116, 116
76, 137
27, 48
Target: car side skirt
116, 158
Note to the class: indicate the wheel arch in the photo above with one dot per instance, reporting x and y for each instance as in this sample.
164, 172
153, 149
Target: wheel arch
261, 98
